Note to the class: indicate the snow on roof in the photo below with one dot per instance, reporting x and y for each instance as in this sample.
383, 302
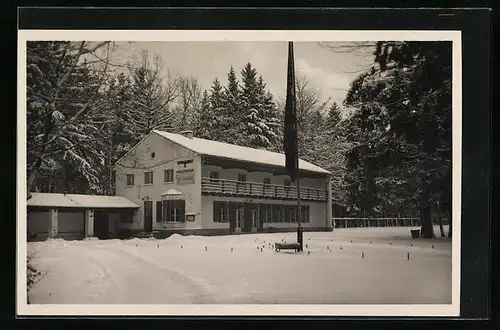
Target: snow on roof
76, 200
171, 192
232, 151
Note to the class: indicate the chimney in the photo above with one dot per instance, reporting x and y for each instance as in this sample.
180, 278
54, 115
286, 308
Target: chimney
188, 134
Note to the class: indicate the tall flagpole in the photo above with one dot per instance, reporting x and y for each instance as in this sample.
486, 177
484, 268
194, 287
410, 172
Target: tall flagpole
299, 213
291, 129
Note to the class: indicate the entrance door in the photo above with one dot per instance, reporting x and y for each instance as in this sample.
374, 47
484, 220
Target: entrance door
255, 219
101, 225
148, 216
235, 216
248, 216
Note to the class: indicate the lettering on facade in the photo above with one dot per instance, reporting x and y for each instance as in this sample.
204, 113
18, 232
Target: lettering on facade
185, 176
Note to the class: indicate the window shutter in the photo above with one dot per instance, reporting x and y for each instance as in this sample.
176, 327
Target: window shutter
181, 204
159, 212
216, 212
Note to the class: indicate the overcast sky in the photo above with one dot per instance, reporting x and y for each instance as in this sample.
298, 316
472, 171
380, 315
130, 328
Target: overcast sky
328, 71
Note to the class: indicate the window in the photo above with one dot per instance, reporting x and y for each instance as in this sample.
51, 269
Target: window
214, 176
266, 213
290, 213
168, 176
277, 213
175, 214
148, 178
130, 180
174, 210
220, 212
159, 211
305, 213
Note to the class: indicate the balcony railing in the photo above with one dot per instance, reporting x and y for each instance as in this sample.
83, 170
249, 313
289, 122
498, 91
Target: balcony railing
210, 186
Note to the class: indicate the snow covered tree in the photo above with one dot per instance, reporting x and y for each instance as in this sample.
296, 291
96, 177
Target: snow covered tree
152, 97
250, 104
204, 118
402, 128
271, 130
208, 118
62, 97
261, 122
216, 102
334, 115
232, 114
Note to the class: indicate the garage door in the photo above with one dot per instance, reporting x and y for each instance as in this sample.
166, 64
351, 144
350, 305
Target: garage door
71, 224
38, 225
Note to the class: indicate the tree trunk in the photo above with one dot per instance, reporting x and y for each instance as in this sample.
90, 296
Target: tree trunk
32, 176
441, 228
426, 220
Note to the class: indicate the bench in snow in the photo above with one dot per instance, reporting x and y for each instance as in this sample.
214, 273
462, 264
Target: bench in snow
287, 246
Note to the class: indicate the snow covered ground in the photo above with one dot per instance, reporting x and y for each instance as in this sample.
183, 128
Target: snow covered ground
373, 268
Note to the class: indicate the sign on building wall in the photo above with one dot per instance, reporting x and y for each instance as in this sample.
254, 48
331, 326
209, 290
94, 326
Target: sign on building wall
185, 176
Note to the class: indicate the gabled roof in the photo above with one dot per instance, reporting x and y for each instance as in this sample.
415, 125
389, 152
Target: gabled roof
79, 201
232, 151
171, 192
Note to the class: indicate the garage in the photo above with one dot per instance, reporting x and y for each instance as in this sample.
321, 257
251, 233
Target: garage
74, 217
38, 224
71, 224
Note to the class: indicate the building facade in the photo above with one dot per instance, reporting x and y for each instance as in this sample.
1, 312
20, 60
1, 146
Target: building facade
190, 185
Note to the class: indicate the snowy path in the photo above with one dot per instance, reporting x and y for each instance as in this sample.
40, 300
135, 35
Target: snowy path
373, 268
101, 276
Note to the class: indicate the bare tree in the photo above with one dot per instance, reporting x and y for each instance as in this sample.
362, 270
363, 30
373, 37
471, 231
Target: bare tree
362, 49
189, 102
153, 94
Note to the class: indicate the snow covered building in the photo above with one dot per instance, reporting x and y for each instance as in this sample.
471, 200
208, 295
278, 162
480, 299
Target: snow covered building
75, 216
190, 185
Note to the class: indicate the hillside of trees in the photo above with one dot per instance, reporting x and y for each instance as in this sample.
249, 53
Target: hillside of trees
390, 156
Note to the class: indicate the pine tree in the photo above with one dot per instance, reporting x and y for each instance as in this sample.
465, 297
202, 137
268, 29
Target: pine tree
217, 109
402, 129
204, 118
269, 122
255, 129
334, 115
232, 117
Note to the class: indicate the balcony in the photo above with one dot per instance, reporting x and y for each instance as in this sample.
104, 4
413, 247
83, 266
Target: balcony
222, 187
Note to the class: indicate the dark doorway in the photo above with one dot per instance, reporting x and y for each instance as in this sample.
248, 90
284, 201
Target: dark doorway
148, 216
101, 225
235, 216
249, 213
264, 215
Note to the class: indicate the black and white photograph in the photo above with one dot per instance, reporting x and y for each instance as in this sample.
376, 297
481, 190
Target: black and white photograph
230, 169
